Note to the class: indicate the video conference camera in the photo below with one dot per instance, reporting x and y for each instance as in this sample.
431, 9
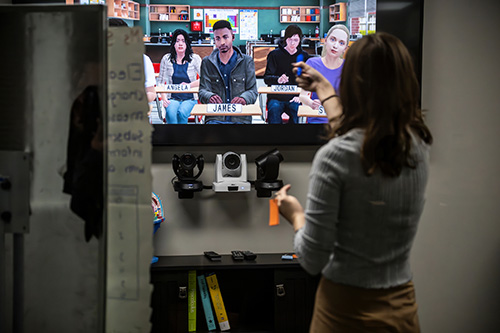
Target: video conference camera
187, 183
268, 166
231, 173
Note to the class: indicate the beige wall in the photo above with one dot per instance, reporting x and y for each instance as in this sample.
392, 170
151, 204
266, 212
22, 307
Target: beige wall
456, 258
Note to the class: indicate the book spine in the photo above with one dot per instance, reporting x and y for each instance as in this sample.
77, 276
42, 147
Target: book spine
192, 301
217, 301
205, 299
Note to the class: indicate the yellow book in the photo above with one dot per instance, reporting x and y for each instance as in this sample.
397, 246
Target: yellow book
217, 301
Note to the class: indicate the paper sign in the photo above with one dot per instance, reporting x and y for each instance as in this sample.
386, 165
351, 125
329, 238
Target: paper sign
130, 218
177, 87
284, 88
321, 110
224, 108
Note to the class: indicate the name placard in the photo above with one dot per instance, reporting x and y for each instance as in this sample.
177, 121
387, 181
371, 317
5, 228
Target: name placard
284, 88
177, 87
224, 108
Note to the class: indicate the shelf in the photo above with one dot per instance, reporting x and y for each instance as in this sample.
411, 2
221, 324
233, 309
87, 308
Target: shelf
300, 14
263, 260
281, 291
169, 13
338, 12
124, 9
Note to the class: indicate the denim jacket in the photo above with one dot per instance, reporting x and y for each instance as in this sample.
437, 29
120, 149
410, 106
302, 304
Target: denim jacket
243, 82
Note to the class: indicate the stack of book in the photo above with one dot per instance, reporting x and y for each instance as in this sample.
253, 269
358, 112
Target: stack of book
211, 299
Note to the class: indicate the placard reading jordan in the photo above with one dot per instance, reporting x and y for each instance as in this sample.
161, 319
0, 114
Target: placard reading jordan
214, 15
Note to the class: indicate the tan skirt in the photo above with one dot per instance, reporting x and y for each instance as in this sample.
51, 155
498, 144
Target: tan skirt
345, 309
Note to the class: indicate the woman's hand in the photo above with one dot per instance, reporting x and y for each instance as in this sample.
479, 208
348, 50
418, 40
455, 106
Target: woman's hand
312, 80
290, 208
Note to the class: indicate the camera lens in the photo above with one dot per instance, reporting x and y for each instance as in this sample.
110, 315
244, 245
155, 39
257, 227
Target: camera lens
232, 161
188, 161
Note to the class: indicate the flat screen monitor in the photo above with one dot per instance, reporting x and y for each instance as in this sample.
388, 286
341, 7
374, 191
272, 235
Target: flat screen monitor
404, 19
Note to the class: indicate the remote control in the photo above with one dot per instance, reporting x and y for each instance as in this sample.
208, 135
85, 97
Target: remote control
249, 255
237, 255
213, 256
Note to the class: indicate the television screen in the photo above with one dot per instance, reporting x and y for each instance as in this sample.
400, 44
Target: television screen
402, 19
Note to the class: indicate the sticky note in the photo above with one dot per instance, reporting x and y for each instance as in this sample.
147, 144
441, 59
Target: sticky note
274, 215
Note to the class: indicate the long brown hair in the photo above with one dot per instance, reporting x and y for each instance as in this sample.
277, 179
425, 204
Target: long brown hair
380, 93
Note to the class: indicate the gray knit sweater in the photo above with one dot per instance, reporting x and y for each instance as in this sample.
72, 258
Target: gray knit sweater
359, 230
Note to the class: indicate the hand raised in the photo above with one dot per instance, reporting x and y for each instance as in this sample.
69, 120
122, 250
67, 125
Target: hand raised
312, 80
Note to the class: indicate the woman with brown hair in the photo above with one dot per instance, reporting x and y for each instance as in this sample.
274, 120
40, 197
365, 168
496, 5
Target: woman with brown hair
366, 192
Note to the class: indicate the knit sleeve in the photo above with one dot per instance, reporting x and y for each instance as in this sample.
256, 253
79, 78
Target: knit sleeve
314, 243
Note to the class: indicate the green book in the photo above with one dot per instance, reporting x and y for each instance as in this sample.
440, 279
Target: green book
192, 301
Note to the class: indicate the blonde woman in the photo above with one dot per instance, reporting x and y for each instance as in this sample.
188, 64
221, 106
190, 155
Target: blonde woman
329, 65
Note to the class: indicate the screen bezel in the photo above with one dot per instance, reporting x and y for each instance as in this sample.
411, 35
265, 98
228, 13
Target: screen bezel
405, 22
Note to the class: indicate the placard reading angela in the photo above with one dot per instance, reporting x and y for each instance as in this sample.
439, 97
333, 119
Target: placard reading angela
284, 88
177, 87
224, 108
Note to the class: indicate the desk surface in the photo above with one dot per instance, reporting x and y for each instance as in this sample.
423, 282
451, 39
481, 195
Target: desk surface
306, 111
246, 110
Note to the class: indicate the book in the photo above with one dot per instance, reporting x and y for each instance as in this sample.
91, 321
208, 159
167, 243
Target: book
215, 294
205, 300
192, 301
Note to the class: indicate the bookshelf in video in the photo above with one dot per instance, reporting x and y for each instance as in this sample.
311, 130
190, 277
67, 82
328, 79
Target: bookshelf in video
267, 294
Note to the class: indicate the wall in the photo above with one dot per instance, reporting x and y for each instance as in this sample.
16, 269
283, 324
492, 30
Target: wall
456, 257
224, 221
268, 18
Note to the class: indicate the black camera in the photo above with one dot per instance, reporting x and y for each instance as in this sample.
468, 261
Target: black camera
187, 183
268, 167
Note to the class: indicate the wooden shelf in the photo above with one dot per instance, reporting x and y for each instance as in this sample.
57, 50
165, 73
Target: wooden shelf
338, 12
124, 9
169, 13
300, 14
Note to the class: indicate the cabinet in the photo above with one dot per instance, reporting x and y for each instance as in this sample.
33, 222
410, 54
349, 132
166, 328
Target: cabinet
265, 295
300, 14
125, 9
367, 24
338, 12
170, 13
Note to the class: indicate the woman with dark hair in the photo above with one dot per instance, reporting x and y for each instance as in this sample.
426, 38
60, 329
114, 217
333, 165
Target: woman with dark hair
366, 192
180, 66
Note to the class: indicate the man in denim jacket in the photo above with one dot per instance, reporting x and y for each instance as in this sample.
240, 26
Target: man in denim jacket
227, 76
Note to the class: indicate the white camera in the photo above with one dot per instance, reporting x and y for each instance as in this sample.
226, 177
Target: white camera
231, 173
